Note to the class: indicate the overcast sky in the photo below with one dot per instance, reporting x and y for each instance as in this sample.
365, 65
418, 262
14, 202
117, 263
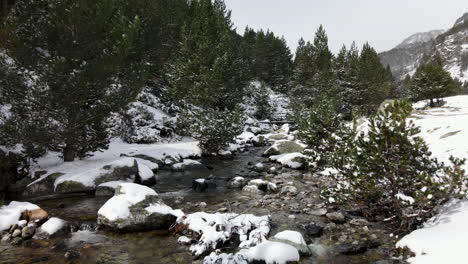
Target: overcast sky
383, 23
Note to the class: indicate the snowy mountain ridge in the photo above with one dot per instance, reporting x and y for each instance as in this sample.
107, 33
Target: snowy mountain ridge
451, 46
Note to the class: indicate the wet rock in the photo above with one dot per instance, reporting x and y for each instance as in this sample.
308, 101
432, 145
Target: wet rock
252, 189
17, 241
237, 183
16, 233
72, 254
312, 229
318, 212
136, 207
38, 216
29, 230
187, 164
336, 217
259, 167
6, 238
289, 191
351, 248
200, 185
359, 222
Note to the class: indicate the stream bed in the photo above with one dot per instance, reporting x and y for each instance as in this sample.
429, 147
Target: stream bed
89, 243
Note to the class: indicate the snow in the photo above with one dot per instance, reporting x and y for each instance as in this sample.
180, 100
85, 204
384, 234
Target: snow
288, 159
87, 170
164, 210
11, 213
218, 228
144, 171
53, 225
405, 198
292, 236
443, 238
186, 162
117, 207
273, 253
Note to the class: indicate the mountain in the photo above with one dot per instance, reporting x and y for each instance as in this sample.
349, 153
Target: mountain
404, 58
450, 45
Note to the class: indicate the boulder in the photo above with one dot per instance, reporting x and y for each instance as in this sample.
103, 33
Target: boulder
29, 230
284, 147
237, 183
43, 186
289, 191
124, 169
136, 207
53, 227
294, 239
312, 229
187, 164
200, 185
336, 217
107, 188
36, 215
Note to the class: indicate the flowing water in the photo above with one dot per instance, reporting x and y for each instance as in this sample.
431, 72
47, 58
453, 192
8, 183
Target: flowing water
90, 244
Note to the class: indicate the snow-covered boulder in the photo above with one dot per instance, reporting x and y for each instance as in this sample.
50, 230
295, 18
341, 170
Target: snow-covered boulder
294, 239
107, 188
213, 229
187, 164
291, 160
10, 214
284, 147
136, 207
237, 183
146, 170
122, 169
54, 226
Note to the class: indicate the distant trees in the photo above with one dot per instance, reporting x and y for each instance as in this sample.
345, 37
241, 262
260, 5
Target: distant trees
356, 79
432, 82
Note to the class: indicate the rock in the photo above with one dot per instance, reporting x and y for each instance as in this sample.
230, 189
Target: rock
16, 233
289, 191
318, 212
283, 147
187, 164
258, 141
312, 229
292, 217
202, 205
200, 185
124, 169
29, 230
359, 222
259, 167
252, 189
272, 188
72, 254
107, 188
146, 171
6, 238
17, 241
136, 207
237, 183
336, 217
37, 215
42, 187
52, 228
294, 239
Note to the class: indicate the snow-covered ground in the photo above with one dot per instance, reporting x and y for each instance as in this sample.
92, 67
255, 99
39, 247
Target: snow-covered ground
443, 239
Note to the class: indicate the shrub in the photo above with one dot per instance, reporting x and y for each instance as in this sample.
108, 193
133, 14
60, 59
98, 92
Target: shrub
322, 129
391, 171
213, 129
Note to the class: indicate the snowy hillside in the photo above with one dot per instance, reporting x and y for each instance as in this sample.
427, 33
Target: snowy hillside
419, 38
443, 238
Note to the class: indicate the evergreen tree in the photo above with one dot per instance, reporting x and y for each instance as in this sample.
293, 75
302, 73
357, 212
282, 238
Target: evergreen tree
208, 71
375, 80
77, 59
432, 82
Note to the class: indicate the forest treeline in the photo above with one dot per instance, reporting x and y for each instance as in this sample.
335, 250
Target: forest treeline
68, 65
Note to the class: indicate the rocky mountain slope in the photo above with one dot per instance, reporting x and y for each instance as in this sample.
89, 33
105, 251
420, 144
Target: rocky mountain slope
451, 45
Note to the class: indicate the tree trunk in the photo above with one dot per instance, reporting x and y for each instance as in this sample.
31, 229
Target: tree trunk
69, 153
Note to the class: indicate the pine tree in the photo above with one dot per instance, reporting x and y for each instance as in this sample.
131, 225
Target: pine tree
432, 82
76, 56
208, 69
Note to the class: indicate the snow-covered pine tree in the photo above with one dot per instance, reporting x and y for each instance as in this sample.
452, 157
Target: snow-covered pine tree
432, 82
75, 58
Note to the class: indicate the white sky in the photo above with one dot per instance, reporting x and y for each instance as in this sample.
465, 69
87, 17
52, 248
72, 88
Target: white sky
383, 23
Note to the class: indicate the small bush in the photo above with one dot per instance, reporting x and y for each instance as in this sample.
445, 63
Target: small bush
390, 170
212, 128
